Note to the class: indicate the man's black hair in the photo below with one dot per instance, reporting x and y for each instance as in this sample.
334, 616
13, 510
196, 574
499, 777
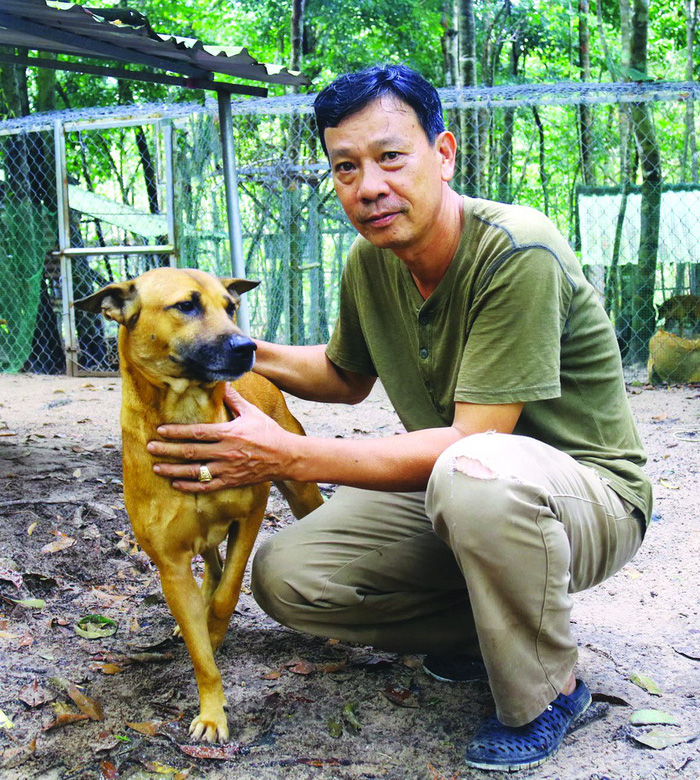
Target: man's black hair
350, 93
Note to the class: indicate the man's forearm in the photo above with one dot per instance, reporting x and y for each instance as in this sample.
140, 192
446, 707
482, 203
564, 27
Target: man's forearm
400, 463
306, 372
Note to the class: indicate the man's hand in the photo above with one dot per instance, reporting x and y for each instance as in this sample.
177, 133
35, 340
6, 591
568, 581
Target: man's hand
248, 449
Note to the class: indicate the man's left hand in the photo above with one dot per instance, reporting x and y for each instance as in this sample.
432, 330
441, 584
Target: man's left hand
248, 449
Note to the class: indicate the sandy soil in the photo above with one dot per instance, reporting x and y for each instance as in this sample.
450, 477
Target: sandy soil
300, 707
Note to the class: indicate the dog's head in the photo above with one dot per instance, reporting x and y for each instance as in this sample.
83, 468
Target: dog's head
178, 323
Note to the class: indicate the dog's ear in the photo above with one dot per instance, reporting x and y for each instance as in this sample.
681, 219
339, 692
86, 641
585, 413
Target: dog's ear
239, 286
116, 301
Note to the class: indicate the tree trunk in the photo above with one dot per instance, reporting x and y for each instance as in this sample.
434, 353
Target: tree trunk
449, 44
585, 115
505, 173
644, 321
296, 297
689, 155
543, 170
689, 168
13, 83
617, 305
469, 117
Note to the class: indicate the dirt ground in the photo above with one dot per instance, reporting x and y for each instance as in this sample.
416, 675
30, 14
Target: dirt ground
300, 707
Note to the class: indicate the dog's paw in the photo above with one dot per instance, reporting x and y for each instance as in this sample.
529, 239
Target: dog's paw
210, 729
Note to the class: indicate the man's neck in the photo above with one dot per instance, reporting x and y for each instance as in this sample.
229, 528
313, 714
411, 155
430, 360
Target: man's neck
429, 262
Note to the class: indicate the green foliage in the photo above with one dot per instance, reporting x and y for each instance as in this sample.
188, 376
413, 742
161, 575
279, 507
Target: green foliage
339, 36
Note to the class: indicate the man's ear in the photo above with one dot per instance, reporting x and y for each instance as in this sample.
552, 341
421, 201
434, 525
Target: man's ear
446, 145
117, 302
239, 286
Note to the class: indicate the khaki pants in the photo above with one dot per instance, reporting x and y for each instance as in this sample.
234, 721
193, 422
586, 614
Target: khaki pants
483, 563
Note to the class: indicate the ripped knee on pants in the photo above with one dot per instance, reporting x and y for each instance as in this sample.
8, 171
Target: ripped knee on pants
473, 468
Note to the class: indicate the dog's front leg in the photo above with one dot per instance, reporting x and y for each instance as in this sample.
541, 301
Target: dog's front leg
223, 602
189, 610
212, 573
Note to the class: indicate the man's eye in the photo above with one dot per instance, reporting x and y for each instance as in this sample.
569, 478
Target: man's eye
391, 156
344, 167
186, 307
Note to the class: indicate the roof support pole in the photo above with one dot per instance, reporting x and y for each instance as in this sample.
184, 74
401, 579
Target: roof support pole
232, 206
170, 192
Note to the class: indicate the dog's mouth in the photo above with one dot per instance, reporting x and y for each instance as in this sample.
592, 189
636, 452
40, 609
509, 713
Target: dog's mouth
221, 361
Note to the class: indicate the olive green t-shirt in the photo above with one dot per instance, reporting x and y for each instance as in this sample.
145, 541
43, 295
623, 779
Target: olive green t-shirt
512, 320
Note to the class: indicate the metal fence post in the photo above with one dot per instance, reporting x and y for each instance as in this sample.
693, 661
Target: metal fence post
68, 314
232, 207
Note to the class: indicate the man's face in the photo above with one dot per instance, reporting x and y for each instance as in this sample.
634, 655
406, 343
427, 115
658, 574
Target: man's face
391, 181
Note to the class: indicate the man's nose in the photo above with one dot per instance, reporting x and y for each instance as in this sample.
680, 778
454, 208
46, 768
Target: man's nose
372, 183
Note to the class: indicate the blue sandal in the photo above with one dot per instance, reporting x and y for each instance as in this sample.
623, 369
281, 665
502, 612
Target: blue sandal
507, 749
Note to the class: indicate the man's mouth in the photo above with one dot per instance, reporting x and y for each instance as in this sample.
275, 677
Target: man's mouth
380, 220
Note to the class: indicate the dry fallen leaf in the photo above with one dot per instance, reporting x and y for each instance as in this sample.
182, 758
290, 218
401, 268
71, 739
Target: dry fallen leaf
65, 719
436, 774
34, 696
402, 697
300, 667
688, 651
89, 707
16, 755
217, 752
152, 727
652, 717
107, 668
63, 541
158, 768
5, 722
10, 575
662, 739
30, 603
646, 683
108, 771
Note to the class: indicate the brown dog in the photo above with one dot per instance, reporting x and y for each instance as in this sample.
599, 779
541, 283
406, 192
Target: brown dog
178, 342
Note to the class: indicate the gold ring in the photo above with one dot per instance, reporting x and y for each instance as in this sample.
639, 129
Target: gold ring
204, 474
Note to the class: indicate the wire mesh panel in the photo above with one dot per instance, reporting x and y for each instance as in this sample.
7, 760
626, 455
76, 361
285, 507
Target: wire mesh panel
614, 166
118, 226
27, 269
295, 249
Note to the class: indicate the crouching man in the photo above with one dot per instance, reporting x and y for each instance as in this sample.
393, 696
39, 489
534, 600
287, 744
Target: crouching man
519, 479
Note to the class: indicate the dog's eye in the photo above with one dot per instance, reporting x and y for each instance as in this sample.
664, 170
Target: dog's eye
231, 309
187, 307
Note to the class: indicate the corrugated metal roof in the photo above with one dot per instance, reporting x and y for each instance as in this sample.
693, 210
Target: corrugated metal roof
126, 36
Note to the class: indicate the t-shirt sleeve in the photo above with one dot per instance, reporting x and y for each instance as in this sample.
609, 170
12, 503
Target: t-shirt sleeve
518, 320
347, 346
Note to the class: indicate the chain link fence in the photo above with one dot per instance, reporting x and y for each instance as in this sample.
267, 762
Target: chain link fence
614, 166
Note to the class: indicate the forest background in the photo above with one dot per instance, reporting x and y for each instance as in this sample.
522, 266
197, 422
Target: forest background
451, 42
529, 154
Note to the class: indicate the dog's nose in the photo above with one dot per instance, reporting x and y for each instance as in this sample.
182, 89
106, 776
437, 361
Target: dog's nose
241, 346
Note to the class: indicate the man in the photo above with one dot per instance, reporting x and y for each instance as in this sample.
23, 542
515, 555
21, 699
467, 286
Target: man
518, 481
